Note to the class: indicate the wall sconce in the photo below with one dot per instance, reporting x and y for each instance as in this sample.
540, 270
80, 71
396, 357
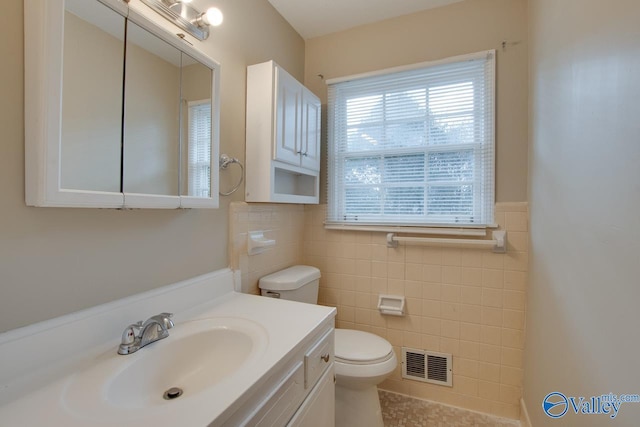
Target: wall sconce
186, 17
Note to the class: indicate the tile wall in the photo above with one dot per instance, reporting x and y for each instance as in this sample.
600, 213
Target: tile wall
467, 302
283, 223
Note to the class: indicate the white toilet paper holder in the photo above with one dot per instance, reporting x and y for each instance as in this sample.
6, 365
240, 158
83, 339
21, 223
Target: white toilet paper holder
392, 305
257, 242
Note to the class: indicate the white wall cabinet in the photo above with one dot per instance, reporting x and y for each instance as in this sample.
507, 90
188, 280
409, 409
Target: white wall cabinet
283, 137
99, 137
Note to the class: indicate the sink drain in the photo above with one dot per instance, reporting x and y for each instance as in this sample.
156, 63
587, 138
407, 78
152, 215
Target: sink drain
172, 393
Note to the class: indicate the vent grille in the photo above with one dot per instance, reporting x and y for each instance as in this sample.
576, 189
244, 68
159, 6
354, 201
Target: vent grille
415, 365
438, 368
426, 366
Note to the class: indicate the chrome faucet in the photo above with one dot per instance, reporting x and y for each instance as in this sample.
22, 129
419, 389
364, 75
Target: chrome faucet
138, 335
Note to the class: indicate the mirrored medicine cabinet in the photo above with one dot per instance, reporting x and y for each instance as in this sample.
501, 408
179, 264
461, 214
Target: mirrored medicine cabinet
119, 113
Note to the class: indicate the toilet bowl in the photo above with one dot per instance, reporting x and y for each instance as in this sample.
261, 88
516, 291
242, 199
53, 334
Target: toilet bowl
362, 360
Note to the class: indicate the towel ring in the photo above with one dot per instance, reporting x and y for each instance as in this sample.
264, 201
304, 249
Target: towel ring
226, 161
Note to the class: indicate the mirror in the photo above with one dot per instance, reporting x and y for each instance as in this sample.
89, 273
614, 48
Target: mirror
152, 114
118, 111
197, 132
91, 97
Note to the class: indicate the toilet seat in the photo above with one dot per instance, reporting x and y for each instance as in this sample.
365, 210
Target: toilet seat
363, 355
360, 348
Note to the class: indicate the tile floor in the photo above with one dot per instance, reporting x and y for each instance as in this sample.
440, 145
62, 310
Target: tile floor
403, 411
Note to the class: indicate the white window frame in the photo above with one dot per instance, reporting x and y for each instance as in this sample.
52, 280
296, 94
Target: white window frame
484, 197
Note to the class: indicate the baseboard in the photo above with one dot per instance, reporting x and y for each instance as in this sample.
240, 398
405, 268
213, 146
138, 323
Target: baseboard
525, 421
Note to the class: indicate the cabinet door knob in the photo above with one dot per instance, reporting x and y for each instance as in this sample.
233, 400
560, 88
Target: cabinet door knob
325, 357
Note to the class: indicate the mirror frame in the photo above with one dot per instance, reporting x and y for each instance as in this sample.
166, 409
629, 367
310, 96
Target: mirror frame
43, 114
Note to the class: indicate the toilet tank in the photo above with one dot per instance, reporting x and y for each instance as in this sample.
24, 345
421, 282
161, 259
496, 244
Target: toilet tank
297, 283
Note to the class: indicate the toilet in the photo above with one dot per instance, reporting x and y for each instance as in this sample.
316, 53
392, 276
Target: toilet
362, 360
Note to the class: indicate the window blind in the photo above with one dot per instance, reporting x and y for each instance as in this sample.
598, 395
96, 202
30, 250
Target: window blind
415, 146
199, 155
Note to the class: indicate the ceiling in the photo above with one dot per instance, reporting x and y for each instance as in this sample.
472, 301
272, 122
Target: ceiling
313, 18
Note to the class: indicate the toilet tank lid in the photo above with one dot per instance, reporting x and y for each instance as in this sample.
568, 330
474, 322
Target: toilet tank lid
289, 278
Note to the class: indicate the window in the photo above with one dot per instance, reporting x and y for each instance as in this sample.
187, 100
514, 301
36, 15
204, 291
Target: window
414, 147
199, 156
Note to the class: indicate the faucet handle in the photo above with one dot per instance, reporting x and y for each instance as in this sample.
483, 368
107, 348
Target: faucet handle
131, 332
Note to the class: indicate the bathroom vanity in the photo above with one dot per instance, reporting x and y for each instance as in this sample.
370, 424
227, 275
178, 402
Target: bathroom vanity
237, 359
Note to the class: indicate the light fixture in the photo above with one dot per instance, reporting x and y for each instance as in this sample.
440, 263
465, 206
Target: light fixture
213, 16
186, 17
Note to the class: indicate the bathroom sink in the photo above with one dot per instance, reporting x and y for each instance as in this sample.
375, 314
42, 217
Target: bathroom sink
197, 356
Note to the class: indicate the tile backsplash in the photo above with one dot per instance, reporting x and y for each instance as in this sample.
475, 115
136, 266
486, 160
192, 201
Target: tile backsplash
467, 302
281, 222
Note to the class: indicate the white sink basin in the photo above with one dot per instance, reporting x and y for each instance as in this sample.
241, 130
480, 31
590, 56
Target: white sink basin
197, 356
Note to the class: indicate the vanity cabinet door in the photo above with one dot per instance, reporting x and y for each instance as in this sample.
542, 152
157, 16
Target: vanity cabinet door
319, 408
288, 135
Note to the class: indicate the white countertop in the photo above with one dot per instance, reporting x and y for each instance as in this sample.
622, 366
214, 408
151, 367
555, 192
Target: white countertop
288, 326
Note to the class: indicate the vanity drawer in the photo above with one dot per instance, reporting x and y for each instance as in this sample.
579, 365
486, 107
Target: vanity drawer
317, 359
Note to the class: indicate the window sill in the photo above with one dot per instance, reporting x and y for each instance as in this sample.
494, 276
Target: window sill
476, 231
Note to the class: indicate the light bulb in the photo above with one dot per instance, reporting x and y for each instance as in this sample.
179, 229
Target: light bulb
213, 16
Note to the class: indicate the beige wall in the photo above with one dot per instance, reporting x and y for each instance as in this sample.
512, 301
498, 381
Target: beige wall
53, 260
465, 27
583, 317
466, 302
